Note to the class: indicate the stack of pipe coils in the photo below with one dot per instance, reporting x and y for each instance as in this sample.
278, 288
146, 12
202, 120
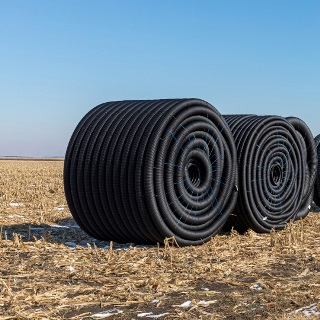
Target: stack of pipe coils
145, 170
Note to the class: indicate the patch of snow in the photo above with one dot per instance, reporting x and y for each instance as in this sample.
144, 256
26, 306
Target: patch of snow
64, 227
151, 315
71, 268
308, 311
12, 216
58, 208
155, 316
15, 204
155, 301
123, 247
256, 287
59, 226
186, 304
205, 289
105, 314
206, 303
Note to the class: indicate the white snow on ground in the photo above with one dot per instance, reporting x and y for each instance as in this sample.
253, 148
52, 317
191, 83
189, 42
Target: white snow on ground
59, 226
12, 216
205, 289
64, 227
206, 303
106, 314
155, 301
256, 287
151, 315
202, 303
15, 204
58, 208
186, 304
158, 315
308, 311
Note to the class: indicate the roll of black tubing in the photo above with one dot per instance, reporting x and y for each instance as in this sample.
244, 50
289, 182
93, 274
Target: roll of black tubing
272, 171
142, 171
311, 163
316, 197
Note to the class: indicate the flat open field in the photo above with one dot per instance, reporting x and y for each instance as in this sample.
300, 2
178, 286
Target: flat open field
50, 269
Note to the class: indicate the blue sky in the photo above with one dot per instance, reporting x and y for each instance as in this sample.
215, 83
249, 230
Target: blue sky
59, 59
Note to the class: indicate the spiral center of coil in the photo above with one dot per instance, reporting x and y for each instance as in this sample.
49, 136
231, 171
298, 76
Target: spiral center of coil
276, 174
196, 172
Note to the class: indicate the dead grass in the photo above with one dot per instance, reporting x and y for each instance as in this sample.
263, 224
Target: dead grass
233, 276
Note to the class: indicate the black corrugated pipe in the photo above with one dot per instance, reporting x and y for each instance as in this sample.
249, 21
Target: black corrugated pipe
276, 169
316, 197
142, 171
311, 163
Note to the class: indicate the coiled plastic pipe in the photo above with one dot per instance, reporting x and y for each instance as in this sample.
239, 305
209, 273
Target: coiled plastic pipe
311, 164
142, 171
273, 171
316, 197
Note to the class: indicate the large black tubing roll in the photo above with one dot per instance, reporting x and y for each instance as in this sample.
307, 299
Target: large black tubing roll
311, 164
142, 171
273, 178
316, 197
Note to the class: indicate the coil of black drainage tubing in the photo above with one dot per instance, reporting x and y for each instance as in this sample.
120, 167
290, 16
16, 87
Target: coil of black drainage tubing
274, 178
311, 163
142, 171
316, 197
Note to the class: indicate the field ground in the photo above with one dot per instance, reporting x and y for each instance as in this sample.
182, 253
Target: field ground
50, 269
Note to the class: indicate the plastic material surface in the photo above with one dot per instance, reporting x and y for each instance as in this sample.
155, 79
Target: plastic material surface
316, 197
277, 167
142, 171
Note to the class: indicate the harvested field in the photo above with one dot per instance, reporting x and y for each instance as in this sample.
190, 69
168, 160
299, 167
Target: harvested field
50, 269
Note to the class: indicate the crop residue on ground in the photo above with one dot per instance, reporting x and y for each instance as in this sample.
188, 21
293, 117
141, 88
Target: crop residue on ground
50, 269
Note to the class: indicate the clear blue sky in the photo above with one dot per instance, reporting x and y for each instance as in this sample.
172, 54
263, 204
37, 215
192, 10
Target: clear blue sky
59, 59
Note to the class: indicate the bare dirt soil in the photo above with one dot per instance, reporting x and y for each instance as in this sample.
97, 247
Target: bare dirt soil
50, 269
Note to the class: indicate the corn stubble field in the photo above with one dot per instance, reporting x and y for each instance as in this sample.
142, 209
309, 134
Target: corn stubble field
50, 269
